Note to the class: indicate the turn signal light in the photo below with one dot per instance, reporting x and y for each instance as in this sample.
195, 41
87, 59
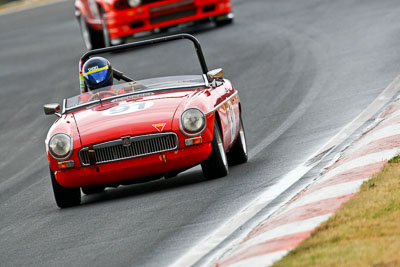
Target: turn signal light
193, 141
66, 164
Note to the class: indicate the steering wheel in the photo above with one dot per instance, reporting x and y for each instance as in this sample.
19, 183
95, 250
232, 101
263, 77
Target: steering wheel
100, 95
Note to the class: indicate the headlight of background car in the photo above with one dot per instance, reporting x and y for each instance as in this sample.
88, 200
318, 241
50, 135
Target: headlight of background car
60, 146
193, 121
134, 3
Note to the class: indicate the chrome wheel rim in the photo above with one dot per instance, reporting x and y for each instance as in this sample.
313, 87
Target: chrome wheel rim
222, 151
243, 139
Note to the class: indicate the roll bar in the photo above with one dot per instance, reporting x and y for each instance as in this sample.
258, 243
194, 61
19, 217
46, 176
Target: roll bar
139, 44
152, 42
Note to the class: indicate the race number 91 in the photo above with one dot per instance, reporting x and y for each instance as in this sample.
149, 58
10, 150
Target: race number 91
128, 108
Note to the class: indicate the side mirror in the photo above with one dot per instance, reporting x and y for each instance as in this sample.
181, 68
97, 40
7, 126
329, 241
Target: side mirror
50, 109
215, 75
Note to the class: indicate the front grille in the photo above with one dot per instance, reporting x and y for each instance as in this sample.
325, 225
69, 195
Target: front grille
209, 8
173, 16
171, 11
138, 146
146, 2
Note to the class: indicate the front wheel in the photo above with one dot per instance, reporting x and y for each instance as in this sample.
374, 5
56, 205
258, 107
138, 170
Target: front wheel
106, 32
65, 196
91, 38
216, 165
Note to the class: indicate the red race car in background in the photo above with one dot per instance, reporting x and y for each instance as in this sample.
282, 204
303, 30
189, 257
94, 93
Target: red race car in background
109, 22
149, 128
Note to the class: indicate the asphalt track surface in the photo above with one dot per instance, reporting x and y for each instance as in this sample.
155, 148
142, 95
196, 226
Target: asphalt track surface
304, 69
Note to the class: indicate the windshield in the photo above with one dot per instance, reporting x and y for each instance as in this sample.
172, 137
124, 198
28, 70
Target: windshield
139, 88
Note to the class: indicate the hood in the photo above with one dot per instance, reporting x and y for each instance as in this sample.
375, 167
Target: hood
128, 117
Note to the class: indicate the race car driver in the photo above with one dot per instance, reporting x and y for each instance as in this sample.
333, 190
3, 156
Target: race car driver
98, 77
97, 73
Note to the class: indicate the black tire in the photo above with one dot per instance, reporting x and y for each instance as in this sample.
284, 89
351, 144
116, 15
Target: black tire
238, 153
91, 38
65, 196
94, 189
106, 32
216, 165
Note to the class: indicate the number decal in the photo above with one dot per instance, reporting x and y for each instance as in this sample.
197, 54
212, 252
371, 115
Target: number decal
128, 108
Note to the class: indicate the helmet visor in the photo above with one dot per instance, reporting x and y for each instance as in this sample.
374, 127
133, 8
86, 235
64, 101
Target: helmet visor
98, 76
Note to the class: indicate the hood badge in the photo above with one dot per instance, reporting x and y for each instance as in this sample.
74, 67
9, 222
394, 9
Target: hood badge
159, 126
126, 140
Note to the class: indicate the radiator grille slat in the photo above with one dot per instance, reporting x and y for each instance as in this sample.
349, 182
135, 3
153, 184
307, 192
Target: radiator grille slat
172, 16
139, 146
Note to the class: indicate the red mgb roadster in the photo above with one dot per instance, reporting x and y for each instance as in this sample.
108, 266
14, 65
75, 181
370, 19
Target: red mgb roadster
149, 128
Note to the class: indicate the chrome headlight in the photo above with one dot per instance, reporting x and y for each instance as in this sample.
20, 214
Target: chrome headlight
193, 121
134, 3
60, 146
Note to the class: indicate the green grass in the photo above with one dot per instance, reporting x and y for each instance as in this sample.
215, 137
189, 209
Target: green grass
365, 231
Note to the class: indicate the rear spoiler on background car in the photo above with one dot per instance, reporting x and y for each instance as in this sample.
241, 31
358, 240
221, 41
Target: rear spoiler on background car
119, 75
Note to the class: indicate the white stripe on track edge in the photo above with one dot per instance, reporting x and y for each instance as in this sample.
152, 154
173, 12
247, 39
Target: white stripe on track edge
385, 132
206, 245
262, 261
333, 191
362, 161
282, 230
